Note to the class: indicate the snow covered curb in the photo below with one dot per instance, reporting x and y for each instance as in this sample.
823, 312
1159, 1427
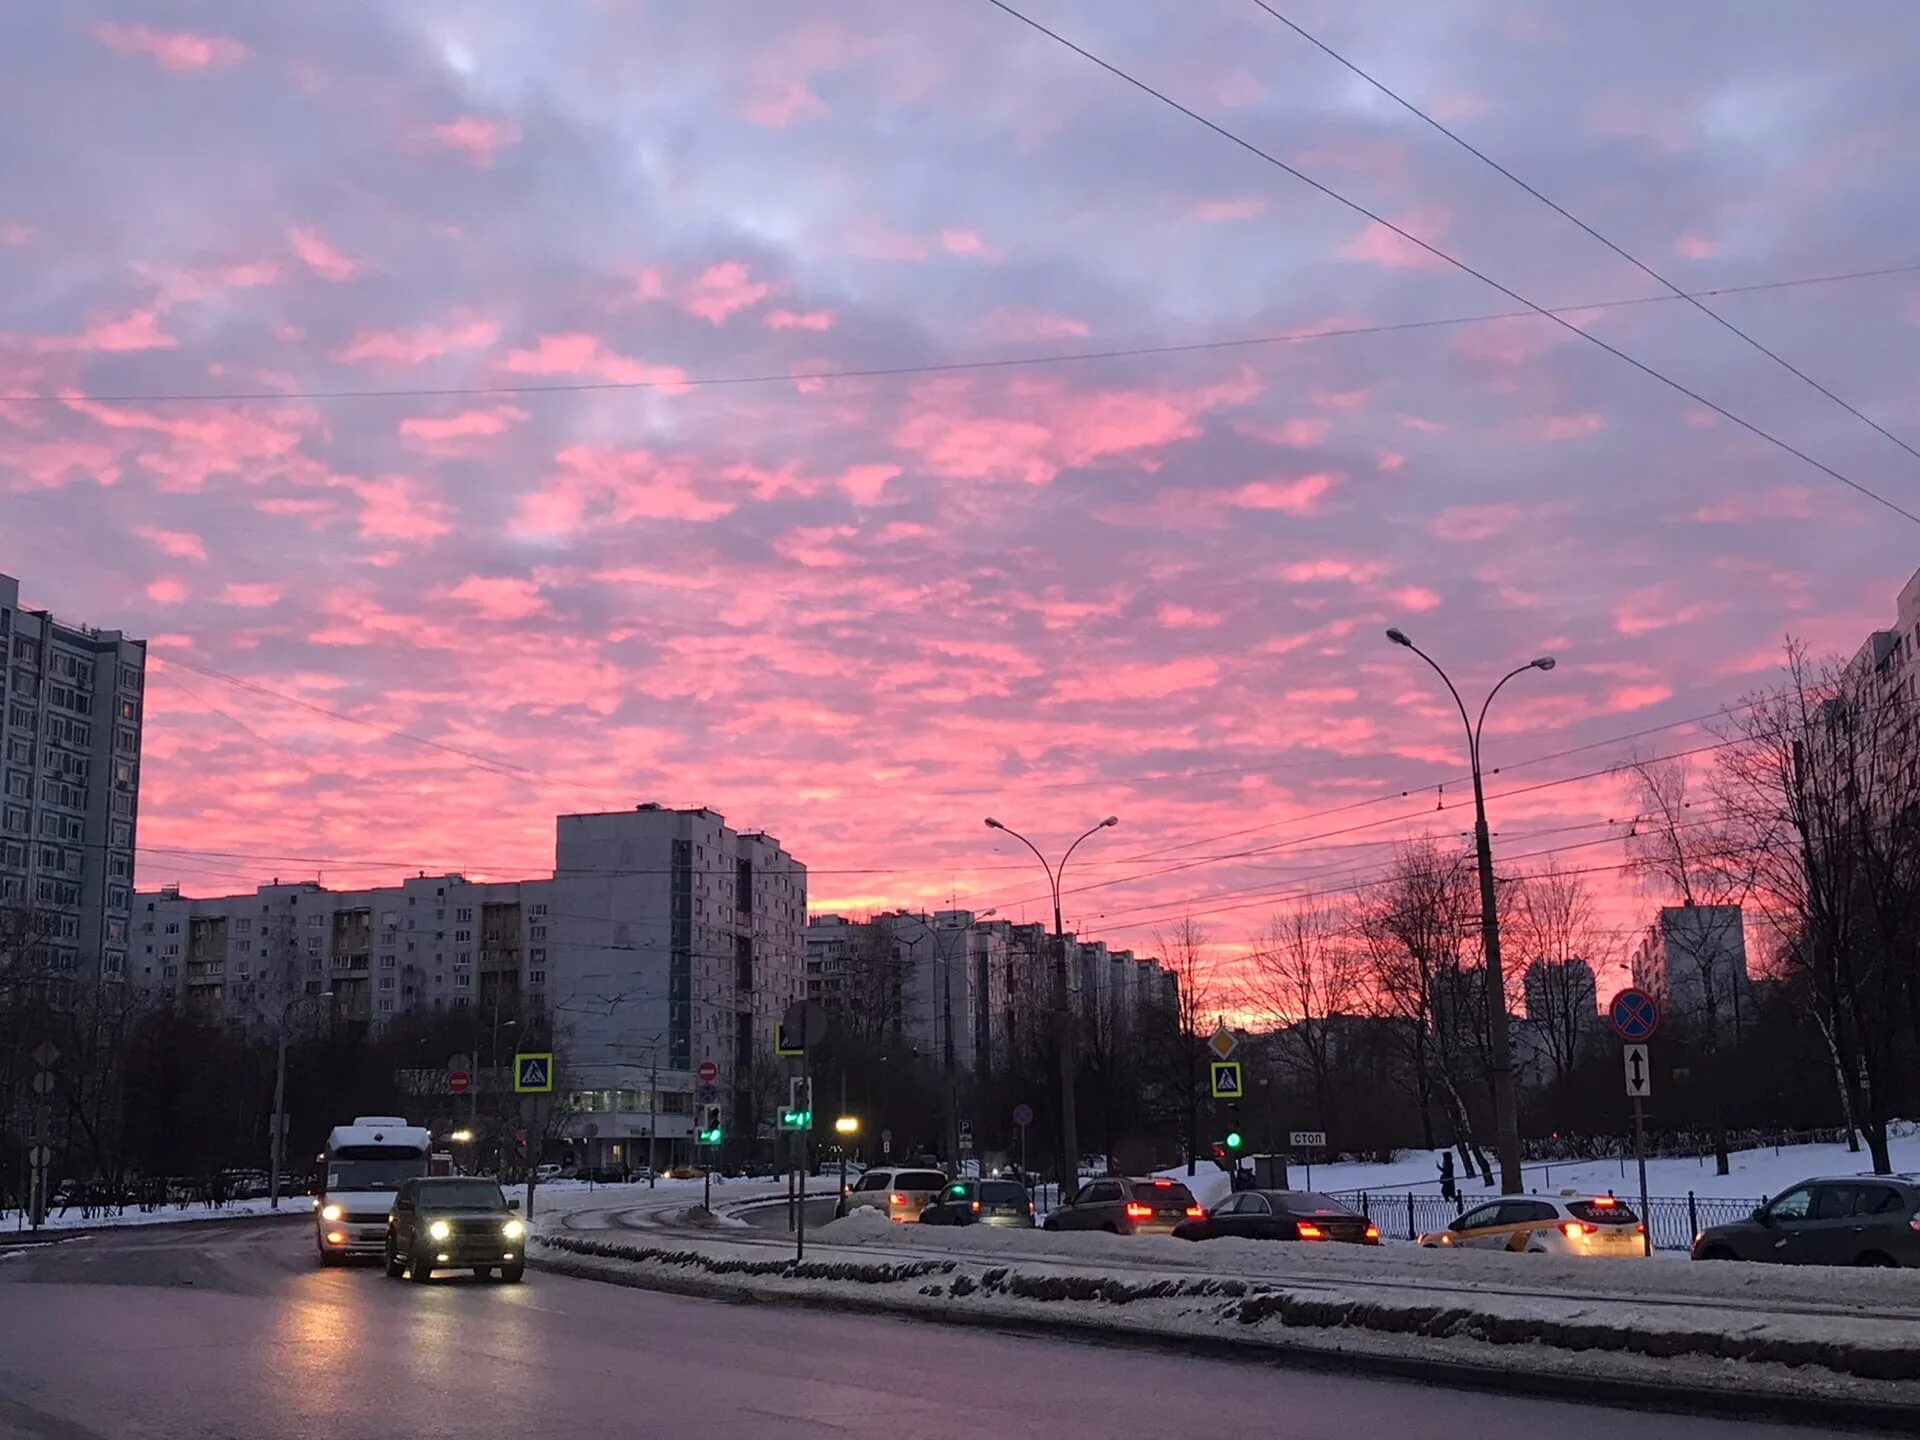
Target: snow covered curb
13, 1229
1534, 1344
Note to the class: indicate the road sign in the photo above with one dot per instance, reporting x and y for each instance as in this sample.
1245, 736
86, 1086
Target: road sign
1226, 1080
45, 1053
708, 1072
706, 1094
533, 1072
458, 1081
1635, 1014
39, 1157
1308, 1139
1639, 1073
1222, 1044
804, 1026
966, 1135
43, 1082
1023, 1115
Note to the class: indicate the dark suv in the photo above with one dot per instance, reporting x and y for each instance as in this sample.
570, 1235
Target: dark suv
1844, 1220
454, 1222
1127, 1207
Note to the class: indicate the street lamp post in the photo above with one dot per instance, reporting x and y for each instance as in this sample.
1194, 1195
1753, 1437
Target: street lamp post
846, 1127
1506, 1118
1062, 1015
278, 1148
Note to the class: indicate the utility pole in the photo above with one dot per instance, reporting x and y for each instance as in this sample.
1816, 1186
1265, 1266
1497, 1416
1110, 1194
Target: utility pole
277, 1151
653, 1119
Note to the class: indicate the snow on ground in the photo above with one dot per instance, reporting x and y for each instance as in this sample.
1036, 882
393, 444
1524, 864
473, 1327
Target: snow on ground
75, 1219
1752, 1174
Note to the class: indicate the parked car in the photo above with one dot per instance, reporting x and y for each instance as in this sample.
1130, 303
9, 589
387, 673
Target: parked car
450, 1222
1539, 1225
1126, 1206
1844, 1220
1004, 1204
1281, 1215
901, 1194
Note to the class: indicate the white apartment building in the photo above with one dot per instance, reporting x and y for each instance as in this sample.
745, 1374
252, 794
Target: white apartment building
71, 706
1693, 960
663, 940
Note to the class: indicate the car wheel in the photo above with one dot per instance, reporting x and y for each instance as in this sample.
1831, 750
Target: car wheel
418, 1270
394, 1268
481, 1272
1875, 1260
1051, 1224
1718, 1252
1111, 1228
513, 1273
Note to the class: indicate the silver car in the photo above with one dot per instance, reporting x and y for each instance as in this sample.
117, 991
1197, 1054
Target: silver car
899, 1194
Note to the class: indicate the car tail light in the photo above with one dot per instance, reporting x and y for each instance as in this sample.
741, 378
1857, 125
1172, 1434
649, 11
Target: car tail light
1914, 1223
1196, 1212
1163, 1184
1640, 1229
1574, 1229
1309, 1231
1605, 1202
1373, 1232
976, 1207
896, 1199
1137, 1211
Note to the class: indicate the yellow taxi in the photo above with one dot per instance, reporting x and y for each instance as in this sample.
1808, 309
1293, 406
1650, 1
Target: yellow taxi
1567, 1224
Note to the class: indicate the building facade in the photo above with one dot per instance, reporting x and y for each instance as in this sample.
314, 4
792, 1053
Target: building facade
1559, 991
1693, 960
663, 940
72, 701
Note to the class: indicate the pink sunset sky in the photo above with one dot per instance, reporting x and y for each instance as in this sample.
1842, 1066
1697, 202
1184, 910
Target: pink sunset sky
474, 263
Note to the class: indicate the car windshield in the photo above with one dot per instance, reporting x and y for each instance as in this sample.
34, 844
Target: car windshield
373, 1167
1604, 1211
1162, 1192
1002, 1192
462, 1195
919, 1180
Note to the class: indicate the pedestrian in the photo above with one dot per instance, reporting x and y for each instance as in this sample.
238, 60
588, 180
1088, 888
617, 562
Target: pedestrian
1448, 1189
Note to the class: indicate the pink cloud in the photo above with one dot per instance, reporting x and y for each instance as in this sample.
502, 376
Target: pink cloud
1354, 572
1139, 681
467, 425
793, 320
724, 290
778, 103
874, 240
251, 597
500, 597
1696, 247
1477, 522
137, 330
319, 256
419, 345
1414, 598
581, 354
1568, 427
1390, 461
1377, 245
15, 234
1295, 497
396, 507
1656, 607
166, 591
171, 49
867, 484
475, 138
1013, 325
1779, 502
606, 486
966, 242
1240, 207
1185, 617
1299, 434
180, 544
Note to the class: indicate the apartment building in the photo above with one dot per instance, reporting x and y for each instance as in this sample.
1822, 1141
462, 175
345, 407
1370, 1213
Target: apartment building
663, 939
71, 705
1693, 960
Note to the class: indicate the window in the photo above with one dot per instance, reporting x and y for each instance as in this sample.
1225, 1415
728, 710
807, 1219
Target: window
1794, 1205
173, 927
538, 957
539, 910
386, 1005
386, 962
463, 937
536, 977
464, 913
129, 709
386, 982
538, 932
13, 819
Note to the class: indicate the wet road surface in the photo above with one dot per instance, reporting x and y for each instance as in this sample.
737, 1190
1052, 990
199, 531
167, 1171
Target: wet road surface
231, 1330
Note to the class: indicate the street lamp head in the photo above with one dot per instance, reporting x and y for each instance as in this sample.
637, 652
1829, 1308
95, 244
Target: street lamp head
461, 1137
1111, 820
1545, 662
847, 1125
993, 824
1399, 637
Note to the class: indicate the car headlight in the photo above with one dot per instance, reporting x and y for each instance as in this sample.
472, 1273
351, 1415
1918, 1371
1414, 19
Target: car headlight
330, 1213
439, 1230
513, 1230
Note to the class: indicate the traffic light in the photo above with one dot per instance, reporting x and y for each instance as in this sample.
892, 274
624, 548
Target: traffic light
1234, 1140
799, 1112
711, 1132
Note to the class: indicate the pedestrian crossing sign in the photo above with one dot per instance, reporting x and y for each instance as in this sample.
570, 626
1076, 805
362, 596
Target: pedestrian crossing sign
533, 1072
1226, 1080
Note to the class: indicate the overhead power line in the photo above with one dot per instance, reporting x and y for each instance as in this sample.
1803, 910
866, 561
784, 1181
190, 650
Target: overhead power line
1570, 217
929, 367
1357, 208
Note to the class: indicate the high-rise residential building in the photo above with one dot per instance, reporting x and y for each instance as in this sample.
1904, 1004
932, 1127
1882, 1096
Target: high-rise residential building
1693, 960
663, 940
71, 703
1895, 653
1560, 991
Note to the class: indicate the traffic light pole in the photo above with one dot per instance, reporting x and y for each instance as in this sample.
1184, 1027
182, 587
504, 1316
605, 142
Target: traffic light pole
800, 1139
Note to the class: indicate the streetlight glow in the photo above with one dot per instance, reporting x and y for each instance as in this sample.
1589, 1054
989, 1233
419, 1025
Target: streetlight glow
847, 1125
461, 1137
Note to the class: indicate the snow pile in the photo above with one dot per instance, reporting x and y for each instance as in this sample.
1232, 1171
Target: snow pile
869, 1218
76, 1219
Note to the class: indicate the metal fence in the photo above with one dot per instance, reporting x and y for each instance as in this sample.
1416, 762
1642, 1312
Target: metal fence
1672, 1220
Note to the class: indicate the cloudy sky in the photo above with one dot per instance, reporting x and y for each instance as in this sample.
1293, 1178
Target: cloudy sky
529, 309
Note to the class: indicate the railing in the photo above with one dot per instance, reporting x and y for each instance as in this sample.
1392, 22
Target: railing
1672, 1220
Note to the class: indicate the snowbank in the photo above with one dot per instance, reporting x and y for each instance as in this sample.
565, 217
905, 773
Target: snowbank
75, 1219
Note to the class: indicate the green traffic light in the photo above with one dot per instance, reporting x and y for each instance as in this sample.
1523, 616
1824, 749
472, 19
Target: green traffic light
1233, 1141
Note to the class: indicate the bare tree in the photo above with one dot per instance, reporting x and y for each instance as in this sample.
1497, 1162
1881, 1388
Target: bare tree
1553, 923
1305, 975
1186, 954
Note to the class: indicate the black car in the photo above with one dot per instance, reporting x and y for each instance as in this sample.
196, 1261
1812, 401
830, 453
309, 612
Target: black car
454, 1222
1004, 1204
1843, 1220
1281, 1215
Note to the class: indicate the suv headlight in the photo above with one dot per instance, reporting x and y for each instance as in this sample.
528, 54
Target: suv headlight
330, 1213
440, 1230
513, 1230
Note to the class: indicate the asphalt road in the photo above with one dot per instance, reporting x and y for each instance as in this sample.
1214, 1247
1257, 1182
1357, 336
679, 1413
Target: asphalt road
774, 1217
231, 1330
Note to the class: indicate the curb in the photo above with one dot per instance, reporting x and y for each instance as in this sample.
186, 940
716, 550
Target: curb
1623, 1394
